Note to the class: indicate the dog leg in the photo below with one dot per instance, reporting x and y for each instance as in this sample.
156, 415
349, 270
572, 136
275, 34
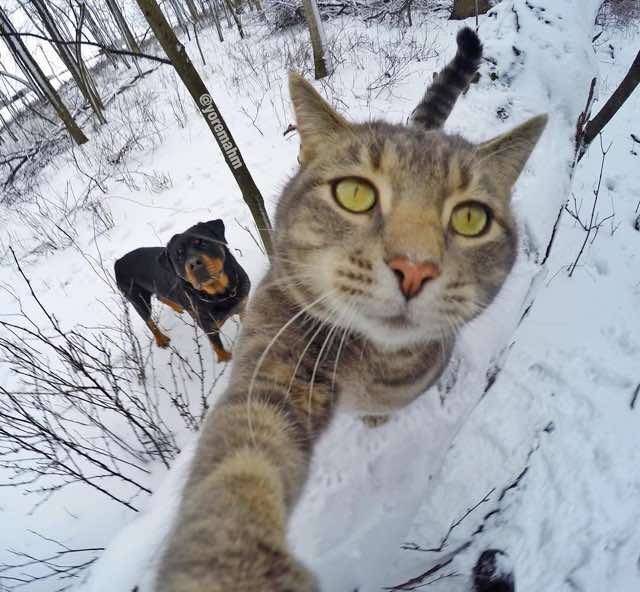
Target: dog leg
162, 340
222, 354
171, 304
140, 298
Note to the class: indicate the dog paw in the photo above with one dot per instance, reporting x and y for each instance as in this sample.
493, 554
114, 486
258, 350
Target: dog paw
163, 341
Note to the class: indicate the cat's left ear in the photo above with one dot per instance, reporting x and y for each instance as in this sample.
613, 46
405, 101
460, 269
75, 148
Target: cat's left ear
504, 157
316, 121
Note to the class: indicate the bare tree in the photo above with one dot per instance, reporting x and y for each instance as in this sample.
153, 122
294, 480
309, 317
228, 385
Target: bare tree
126, 32
318, 41
197, 89
74, 64
32, 70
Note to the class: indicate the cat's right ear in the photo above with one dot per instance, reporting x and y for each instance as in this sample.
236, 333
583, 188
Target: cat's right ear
504, 157
316, 121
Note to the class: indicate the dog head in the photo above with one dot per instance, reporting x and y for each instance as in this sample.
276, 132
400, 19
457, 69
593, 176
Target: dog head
198, 256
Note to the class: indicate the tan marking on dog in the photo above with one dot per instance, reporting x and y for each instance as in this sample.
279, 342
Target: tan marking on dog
162, 340
222, 354
171, 304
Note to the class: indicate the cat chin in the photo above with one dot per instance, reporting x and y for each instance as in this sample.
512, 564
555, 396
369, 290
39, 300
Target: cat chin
387, 337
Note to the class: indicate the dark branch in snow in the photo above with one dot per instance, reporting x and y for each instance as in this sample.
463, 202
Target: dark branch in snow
556, 224
454, 525
634, 399
515, 12
106, 49
584, 116
421, 580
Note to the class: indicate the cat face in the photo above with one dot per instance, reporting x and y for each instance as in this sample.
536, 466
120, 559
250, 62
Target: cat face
401, 234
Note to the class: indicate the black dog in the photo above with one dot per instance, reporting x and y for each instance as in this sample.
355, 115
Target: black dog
195, 272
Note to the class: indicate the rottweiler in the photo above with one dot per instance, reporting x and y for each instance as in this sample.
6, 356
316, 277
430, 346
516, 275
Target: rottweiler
195, 272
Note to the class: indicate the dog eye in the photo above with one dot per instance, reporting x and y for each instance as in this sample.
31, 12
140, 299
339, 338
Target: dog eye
196, 242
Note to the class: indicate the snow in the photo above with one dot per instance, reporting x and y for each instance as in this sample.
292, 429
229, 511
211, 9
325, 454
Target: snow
546, 451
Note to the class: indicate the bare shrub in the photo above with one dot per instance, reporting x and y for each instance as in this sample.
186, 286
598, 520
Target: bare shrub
87, 407
62, 567
283, 14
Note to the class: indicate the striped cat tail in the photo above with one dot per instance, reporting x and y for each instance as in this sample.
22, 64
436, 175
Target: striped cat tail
449, 83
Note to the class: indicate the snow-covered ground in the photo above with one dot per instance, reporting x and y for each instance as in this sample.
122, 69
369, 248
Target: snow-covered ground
533, 425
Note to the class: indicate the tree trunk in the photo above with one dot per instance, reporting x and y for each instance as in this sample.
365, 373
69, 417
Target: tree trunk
75, 67
129, 38
236, 18
216, 18
595, 125
463, 9
318, 43
193, 82
102, 34
33, 71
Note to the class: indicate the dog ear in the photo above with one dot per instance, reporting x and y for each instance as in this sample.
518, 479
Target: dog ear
216, 227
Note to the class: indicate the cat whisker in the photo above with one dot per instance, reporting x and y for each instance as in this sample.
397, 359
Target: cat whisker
322, 323
347, 329
264, 354
317, 364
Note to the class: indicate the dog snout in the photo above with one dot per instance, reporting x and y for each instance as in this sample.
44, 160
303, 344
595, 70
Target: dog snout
195, 263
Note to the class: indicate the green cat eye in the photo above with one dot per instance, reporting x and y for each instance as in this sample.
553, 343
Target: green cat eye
354, 194
470, 218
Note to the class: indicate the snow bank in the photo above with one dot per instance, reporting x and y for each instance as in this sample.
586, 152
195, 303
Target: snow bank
554, 423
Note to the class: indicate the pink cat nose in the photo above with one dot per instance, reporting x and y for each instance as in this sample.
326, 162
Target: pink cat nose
412, 276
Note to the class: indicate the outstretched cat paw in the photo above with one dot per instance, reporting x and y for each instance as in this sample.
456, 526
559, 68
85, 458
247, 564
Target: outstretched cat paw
264, 570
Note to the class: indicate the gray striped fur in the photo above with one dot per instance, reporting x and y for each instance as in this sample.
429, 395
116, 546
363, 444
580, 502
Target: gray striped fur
454, 79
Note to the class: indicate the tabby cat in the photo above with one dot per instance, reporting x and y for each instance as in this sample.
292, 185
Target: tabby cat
388, 239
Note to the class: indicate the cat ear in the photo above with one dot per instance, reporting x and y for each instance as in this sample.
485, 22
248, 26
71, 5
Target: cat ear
316, 121
504, 157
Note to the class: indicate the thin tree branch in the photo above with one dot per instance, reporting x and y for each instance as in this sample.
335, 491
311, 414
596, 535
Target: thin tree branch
595, 125
104, 48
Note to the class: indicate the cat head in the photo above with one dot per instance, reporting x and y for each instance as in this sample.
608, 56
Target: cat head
400, 233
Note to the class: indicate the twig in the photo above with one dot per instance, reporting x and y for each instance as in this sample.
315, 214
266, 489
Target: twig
591, 226
248, 230
454, 525
104, 48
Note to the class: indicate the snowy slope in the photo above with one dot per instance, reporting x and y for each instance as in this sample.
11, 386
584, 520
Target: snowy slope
559, 406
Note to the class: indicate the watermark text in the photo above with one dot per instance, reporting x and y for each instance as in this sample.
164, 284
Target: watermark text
230, 150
